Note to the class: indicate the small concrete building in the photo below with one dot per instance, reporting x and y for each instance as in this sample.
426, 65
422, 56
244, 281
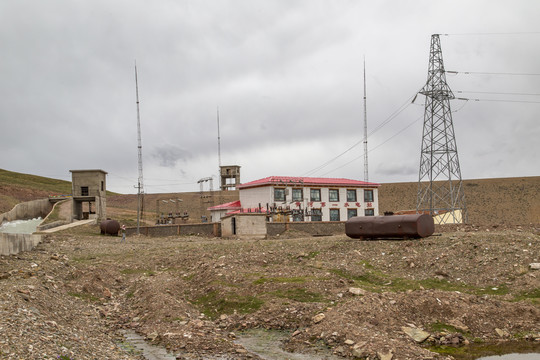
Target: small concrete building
219, 211
89, 191
242, 224
230, 177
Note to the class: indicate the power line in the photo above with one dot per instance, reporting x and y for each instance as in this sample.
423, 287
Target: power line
376, 147
500, 100
496, 93
493, 33
490, 73
404, 106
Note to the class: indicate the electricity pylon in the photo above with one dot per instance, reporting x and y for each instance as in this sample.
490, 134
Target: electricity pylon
440, 188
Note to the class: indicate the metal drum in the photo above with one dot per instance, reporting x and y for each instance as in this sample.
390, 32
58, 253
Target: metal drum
109, 227
389, 227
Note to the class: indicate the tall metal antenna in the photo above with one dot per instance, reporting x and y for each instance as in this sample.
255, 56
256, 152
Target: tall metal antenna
140, 185
366, 177
440, 188
218, 141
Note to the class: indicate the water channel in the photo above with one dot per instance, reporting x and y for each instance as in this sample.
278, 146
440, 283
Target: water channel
268, 345
20, 226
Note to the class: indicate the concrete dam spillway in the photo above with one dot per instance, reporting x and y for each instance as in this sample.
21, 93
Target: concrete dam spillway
20, 226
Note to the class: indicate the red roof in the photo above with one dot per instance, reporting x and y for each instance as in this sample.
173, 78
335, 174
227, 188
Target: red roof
312, 181
233, 205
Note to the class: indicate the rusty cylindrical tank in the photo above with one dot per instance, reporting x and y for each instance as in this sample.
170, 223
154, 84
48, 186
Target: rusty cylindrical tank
109, 227
393, 226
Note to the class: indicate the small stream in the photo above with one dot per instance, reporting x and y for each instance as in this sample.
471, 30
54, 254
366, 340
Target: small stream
268, 345
512, 357
20, 226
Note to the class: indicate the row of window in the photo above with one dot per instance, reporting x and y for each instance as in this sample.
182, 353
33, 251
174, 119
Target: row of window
315, 195
316, 214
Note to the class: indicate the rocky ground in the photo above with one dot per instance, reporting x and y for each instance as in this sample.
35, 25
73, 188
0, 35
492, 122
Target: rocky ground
72, 296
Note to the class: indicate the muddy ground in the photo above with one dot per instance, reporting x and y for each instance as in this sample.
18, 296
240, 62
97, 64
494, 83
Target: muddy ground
74, 293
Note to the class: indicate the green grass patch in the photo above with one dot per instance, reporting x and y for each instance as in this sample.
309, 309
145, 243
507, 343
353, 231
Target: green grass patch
213, 304
138, 271
533, 295
300, 295
477, 350
282, 280
365, 264
440, 327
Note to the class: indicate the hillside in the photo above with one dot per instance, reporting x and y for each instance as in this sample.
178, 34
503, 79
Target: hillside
17, 187
504, 201
489, 201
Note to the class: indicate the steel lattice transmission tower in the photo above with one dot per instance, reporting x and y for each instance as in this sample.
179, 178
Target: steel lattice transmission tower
440, 188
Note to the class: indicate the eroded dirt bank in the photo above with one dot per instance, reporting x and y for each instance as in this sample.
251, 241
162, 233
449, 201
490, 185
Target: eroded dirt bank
195, 295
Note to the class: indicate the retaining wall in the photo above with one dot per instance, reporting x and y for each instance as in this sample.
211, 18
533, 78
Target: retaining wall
28, 210
209, 229
314, 228
11, 244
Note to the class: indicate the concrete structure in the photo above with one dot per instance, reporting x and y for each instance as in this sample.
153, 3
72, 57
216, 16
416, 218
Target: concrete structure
229, 177
89, 194
311, 199
252, 225
28, 210
219, 211
11, 244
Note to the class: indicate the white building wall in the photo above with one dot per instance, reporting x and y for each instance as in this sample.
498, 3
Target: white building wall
252, 197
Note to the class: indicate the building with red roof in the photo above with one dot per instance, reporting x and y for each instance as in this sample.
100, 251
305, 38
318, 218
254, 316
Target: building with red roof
307, 198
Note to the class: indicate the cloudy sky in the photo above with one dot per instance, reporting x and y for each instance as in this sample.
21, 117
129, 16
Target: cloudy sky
286, 75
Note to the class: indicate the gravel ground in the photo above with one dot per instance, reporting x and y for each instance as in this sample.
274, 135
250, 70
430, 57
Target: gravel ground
74, 294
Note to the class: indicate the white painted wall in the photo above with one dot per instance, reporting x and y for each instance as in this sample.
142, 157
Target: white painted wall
252, 197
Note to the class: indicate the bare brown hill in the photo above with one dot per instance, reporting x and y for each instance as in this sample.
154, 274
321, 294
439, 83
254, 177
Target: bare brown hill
508, 201
501, 201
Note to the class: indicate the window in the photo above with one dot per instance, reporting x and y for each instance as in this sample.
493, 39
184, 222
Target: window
351, 195
84, 190
315, 194
297, 195
279, 194
368, 195
316, 215
334, 215
333, 195
102, 186
351, 213
369, 212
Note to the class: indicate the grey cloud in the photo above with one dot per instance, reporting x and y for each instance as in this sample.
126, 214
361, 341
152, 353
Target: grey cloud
170, 155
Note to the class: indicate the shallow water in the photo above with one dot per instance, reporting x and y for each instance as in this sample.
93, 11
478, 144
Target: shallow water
512, 357
267, 344
149, 351
20, 226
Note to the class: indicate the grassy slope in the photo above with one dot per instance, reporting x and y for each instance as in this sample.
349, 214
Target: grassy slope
17, 187
34, 182
490, 201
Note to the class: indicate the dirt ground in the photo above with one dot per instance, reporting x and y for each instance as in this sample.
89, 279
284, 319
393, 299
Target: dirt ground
75, 292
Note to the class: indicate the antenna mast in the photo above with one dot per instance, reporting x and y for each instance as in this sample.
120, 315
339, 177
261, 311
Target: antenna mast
140, 185
366, 178
218, 141
440, 188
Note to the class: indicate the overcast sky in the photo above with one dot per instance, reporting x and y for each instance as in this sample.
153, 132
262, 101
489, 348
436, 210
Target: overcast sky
286, 75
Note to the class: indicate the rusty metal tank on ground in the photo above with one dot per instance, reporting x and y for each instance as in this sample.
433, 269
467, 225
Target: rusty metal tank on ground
390, 227
110, 227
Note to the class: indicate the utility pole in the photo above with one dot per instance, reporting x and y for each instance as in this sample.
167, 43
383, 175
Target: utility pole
366, 177
140, 185
440, 188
